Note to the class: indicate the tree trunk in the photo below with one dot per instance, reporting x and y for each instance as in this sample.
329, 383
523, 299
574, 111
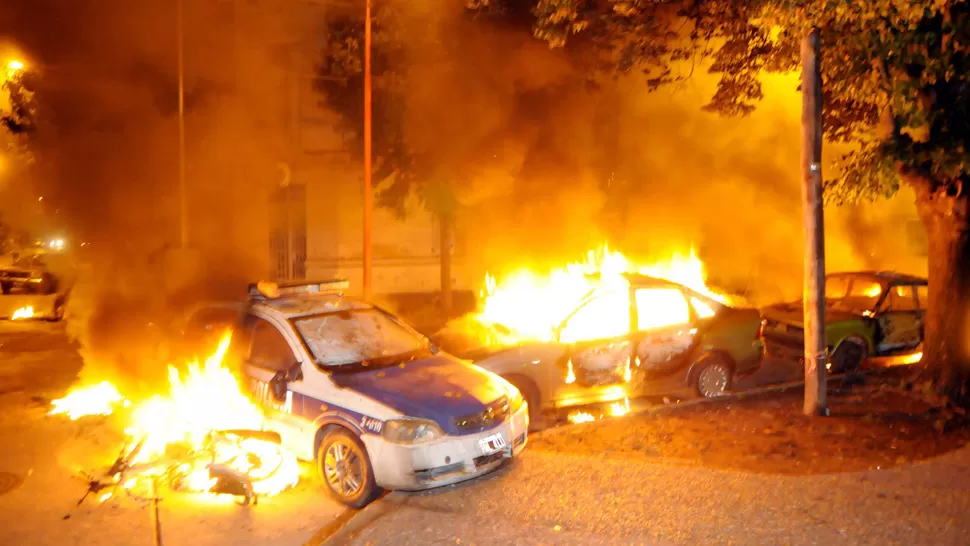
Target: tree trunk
946, 346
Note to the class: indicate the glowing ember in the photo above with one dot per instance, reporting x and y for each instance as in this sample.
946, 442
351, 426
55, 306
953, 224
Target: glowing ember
23, 313
529, 306
202, 418
99, 399
570, 374
581, 417
616, 409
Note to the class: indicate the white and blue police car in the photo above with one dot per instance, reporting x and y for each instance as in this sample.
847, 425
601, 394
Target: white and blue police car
366, 397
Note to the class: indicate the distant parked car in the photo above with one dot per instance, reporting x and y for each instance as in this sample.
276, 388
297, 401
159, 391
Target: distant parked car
701, 352
866, 314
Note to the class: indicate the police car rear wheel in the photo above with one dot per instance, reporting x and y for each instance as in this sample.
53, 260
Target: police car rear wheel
346, 469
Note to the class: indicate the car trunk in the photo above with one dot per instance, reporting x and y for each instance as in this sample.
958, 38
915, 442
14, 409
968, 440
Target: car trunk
784, 323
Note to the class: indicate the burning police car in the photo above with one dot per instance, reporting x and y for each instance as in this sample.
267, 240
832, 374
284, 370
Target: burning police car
369, 399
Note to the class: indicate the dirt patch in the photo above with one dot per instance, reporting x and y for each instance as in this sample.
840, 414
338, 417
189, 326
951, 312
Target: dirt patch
871, 426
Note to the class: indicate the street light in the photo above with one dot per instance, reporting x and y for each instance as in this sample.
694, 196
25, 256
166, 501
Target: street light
368, 189
183, 206
15, 65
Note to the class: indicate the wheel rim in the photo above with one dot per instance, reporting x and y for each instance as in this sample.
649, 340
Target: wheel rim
343, 468
713, 381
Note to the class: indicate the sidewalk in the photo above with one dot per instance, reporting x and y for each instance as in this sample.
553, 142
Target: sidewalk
546, 498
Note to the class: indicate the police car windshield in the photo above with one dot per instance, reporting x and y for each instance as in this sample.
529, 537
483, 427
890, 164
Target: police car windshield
357, 336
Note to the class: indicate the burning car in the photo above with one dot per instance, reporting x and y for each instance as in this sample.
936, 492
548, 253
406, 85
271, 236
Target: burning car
374, 403
643, 336
30, 290
867, 314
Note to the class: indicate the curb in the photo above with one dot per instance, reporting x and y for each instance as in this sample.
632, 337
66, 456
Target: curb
350, 523
719, 400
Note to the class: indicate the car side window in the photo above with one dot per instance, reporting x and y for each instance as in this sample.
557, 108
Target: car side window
269, 348
605, 316
659, 307
922, 297
903, 298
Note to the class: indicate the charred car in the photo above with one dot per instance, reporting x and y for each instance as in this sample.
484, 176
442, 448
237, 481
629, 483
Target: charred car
30, 290
867, 314
27, 275
649, 336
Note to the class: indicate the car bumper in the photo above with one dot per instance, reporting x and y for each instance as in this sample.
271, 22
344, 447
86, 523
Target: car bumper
448, 461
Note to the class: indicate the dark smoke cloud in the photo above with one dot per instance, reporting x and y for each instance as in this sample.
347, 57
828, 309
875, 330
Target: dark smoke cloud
545, 164
553, 161
107, 163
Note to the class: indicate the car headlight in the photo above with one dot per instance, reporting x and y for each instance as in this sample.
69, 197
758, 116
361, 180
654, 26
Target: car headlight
411, 431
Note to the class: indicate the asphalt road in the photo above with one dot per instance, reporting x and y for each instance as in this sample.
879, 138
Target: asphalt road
41, 454
547, 498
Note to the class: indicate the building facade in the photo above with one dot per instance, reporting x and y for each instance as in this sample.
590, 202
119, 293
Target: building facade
314, 190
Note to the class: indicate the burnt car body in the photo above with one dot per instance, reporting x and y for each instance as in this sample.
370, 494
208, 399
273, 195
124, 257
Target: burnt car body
27, 284
701, 355
867, 314
27, 275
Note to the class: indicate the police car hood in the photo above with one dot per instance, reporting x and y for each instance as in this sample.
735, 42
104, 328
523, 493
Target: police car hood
440, 388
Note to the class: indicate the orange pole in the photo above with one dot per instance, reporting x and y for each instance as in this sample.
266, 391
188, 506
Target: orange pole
368, 190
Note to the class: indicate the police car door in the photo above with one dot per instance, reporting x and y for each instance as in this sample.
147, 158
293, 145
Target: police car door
272, 355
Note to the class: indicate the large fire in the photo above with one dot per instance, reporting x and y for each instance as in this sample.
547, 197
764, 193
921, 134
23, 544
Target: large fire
526, 305
97, 399
203, 420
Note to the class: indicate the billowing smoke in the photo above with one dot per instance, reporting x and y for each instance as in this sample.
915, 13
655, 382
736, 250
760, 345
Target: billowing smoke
546, 161
549, 159
107, 167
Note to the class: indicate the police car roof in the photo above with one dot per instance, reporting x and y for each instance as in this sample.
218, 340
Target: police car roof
312, 304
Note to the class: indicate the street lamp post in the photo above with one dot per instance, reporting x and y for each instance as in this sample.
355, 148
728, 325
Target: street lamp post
368, 190
183, 206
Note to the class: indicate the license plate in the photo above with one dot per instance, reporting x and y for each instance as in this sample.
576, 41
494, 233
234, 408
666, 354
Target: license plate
492, 443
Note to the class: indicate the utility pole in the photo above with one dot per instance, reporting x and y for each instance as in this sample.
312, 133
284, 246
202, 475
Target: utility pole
183, 206
368, 190
814, 283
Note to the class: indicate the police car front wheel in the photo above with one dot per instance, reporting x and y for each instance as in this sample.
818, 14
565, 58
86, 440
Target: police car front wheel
346, 469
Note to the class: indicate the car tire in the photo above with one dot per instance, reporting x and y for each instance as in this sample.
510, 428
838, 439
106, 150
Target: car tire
848, 356
531, 395
713, 376
343, 462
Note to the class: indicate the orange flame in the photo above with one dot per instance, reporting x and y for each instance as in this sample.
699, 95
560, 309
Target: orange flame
616, 409
23, 313
206, 399
531, 306
99, 399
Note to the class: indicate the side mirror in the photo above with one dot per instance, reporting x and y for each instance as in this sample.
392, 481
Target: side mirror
277, 386
295, 372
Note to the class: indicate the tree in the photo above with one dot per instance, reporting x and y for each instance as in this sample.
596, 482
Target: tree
18, 126
400, 168
896, 87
